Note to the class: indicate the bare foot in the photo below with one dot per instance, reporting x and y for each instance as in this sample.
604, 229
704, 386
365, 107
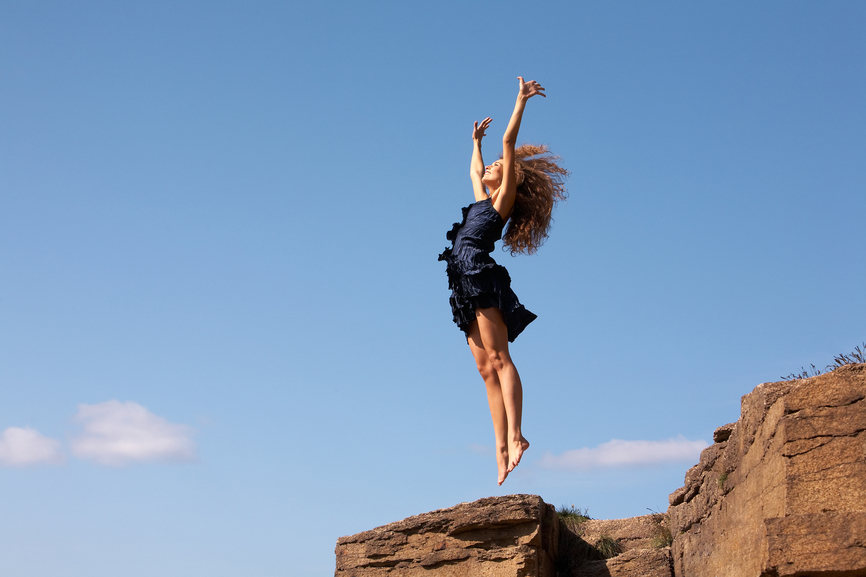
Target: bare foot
515, 452
502, 465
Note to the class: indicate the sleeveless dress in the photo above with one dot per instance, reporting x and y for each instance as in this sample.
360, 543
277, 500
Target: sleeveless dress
475, 280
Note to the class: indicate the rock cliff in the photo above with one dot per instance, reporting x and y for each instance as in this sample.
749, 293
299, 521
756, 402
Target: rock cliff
782, 492
514, 536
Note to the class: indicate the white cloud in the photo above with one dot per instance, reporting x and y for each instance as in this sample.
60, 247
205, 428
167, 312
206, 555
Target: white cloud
118, 433
24, 446
618, 453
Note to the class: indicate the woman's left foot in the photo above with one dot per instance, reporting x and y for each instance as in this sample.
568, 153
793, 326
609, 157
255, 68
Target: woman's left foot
516, 452
502, 465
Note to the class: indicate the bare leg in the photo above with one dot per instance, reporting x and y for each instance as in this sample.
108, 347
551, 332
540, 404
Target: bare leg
494, 337
494, 399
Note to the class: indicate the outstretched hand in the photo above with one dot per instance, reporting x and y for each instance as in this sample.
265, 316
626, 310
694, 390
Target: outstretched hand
531, 88
478, 131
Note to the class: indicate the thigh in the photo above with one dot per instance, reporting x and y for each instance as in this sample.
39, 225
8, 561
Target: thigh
476, 346
492, 330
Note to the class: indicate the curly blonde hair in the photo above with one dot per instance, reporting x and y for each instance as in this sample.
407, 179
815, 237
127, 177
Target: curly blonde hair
541, 184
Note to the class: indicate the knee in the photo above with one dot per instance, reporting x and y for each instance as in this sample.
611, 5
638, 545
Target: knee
485, 369
498, 359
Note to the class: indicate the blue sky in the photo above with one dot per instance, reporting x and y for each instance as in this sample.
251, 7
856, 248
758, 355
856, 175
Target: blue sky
224, 334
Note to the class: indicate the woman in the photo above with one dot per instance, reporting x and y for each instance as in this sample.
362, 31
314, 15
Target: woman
520, 189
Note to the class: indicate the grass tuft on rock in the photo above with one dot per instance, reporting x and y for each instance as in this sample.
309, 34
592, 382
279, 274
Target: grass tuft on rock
608, 547
858, 355
572, 514
662, 534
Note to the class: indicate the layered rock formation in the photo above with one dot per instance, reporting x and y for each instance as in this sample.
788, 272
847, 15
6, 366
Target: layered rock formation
638, 545
783, 490
514, 536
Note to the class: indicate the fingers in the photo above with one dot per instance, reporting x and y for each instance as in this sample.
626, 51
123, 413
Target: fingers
531, 88
478, 129
536, 88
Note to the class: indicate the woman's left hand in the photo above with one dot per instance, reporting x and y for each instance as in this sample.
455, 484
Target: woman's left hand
478, 131
531, 88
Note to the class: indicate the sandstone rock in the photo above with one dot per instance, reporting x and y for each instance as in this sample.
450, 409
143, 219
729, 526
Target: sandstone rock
783, 490
637, 539
722, 433
631, 533
831, 543
634, 563
513, 536
781, 493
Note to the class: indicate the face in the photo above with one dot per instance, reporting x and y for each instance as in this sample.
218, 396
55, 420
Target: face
493, 175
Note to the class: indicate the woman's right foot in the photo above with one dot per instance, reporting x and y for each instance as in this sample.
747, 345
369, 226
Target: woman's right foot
518, 448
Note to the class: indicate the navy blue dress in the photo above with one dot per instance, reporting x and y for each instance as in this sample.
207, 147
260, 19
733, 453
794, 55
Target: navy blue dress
475, 280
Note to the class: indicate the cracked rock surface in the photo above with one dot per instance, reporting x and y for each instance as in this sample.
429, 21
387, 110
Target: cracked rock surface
783, 490
637, 538
512, 536
781, 493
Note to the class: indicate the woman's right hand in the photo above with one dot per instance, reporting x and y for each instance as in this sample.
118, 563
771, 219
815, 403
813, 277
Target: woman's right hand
529, 89
478, 131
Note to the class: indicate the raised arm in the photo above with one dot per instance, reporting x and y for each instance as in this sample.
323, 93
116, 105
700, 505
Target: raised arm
476, 167
504, 199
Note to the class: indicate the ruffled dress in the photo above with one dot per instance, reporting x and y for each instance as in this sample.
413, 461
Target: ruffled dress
475, 280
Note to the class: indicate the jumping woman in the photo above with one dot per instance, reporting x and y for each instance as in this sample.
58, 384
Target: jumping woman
519, 189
